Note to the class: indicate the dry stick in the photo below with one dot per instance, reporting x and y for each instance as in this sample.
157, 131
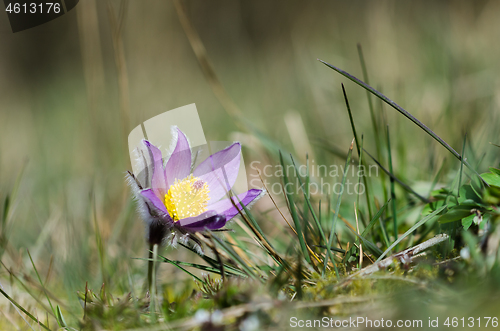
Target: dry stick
235, 312
214, 82
206, 65
121, 64
448, 260
338, 240
405, 256
50, 269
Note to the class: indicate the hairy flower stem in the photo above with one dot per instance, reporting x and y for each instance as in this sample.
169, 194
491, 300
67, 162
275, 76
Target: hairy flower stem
150, 267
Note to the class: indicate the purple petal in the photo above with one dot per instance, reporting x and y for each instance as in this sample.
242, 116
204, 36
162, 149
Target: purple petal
225, 207
158, 182
179, 164
220, 171
153, 200
208, 220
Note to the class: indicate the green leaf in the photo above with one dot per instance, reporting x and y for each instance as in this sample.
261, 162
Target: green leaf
454, 214
491, 178
467, 193
467, 222
495, 171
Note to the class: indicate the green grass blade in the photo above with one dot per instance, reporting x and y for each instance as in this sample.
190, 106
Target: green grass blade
403, 185
43, 287
60, 318
335, 249
305, 190
371, 246
337, 207
98, 239
187, 264
235, 256
436, 178
253, 225
358, 148
353, 127
413, 228
214, 263
461, 166
375, 218
178, 264
293, 212
361, 165
316, 220
401, 110
393, 190
370, 103
25, 287
152, 304
23, 310
7, 210
334, 150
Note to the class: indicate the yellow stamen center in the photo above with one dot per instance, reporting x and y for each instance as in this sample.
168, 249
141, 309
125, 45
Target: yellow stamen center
187, 198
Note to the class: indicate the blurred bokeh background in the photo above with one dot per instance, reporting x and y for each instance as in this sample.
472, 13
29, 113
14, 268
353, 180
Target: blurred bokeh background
71, 89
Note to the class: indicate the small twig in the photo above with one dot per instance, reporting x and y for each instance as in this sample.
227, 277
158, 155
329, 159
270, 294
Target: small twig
120, 61
206, 65
405, 256
448, 261
234, 312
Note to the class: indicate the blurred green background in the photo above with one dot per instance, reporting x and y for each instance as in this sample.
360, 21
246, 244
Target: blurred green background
71, 89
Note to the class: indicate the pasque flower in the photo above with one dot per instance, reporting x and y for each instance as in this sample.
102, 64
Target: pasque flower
176, 200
